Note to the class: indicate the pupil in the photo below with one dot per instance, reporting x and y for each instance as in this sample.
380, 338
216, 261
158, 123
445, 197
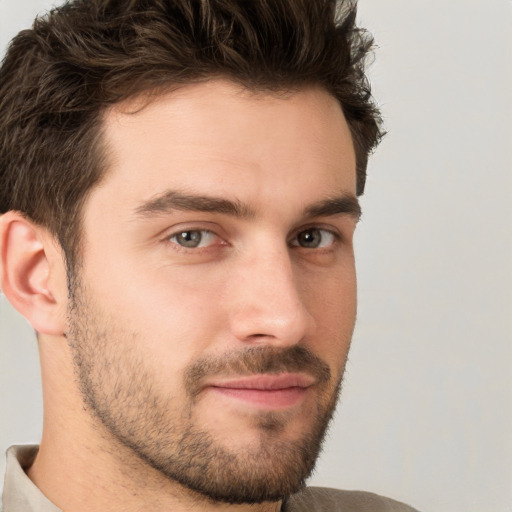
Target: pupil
189, 238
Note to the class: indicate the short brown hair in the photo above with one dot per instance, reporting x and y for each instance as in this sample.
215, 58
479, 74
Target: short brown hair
60, 76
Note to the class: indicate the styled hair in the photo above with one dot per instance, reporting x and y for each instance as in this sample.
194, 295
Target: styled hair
59, 77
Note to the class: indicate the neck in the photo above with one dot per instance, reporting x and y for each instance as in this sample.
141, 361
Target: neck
78, 484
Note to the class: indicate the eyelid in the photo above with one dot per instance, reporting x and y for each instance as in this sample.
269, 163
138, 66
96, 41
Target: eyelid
180, 227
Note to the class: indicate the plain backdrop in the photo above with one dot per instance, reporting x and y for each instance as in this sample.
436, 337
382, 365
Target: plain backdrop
426, 412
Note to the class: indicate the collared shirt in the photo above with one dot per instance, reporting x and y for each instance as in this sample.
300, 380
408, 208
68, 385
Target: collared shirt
21, 494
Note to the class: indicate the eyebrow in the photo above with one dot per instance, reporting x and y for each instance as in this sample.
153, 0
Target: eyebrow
347, 204
172, 200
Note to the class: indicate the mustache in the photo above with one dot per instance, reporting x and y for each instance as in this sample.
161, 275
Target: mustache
255, 360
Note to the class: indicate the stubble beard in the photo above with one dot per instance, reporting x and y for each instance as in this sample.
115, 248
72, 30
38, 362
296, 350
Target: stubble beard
118, 388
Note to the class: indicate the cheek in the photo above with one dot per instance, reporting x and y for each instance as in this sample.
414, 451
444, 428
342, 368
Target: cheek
332, 301
165, 317
330, 293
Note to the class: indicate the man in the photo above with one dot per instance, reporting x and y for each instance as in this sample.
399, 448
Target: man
179, 195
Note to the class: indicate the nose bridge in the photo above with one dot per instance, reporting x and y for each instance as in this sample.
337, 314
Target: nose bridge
267, 303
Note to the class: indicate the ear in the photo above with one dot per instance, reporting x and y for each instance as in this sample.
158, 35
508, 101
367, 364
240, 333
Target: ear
33, 273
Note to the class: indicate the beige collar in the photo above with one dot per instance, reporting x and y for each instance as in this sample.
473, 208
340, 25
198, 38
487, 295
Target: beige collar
20, 494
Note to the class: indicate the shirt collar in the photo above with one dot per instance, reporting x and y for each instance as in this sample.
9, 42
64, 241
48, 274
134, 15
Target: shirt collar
20, 493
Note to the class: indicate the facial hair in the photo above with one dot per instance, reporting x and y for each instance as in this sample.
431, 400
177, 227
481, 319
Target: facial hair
118, 388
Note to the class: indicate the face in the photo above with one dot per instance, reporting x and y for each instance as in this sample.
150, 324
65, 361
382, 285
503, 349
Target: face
214, 305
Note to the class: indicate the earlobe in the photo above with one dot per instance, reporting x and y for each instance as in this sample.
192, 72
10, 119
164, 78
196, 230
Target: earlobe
31, 276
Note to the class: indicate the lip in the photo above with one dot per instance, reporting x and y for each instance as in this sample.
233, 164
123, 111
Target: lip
265, 391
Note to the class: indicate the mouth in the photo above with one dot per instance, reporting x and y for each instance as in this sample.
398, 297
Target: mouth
265, 391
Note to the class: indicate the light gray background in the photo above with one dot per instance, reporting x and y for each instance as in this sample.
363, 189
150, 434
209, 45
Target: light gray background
426, 414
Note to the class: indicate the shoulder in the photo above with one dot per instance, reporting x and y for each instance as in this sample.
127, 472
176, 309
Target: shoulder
322, 499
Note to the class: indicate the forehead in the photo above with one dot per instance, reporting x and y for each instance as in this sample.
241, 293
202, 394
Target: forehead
219, 137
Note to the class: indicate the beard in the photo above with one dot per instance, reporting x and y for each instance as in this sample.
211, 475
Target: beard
119, 388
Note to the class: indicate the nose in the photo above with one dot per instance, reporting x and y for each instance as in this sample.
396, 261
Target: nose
267, 302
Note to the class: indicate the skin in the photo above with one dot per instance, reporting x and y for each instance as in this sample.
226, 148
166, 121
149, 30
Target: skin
146, 309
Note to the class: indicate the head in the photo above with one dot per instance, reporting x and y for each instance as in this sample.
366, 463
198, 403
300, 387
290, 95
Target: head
198, 163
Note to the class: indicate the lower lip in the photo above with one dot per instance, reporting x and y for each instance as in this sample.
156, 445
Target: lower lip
265, 398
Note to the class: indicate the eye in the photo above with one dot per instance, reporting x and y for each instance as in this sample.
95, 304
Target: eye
194, 238
314, 238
